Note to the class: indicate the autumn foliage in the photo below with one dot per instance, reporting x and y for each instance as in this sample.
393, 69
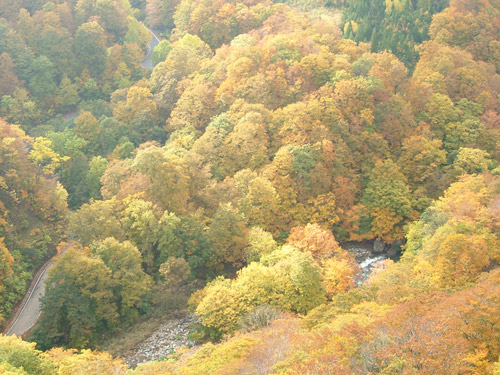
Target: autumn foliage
266, 137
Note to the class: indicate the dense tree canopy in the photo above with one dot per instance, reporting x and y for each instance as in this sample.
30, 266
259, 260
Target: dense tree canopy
265, 137
33, 208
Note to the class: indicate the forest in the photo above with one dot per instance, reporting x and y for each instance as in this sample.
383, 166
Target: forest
225, 181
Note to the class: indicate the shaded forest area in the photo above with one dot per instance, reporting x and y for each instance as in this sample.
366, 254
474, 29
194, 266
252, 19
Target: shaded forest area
228, 175
397, 26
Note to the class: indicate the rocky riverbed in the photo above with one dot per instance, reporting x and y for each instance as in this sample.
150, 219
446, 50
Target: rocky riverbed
366, 258
168, 337
173, 334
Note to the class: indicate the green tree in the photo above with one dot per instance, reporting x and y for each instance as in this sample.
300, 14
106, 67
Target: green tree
42, 83
137, 33
389, 201
114, 16
66, 143
139, 113
141, 226
78, 306
44, 157
96, 221
68, 96
286, 279
20, 357
228, 233
167, 175
90, 47
73, 177
160, 52
8, 76
471, 160
186, 238
260, 243
184, 58
420, 161
89, 128
129, 282
6, 271
97, 167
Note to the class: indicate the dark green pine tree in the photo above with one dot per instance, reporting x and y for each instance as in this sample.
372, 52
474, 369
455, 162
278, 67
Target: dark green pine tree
374, 40
349, 33
379, 27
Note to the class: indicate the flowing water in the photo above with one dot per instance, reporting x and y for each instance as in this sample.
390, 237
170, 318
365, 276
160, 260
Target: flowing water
367, 260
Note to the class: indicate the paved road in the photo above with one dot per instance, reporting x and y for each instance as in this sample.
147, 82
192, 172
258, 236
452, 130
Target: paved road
148, 60
30, 311
69, 116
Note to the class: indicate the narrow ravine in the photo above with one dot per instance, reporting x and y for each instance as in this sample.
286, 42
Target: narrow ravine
174, 333
366, 258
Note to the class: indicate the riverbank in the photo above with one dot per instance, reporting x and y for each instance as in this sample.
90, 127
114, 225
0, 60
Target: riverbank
367, 256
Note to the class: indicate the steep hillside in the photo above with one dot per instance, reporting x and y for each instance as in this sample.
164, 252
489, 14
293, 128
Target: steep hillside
264, 136
32, 213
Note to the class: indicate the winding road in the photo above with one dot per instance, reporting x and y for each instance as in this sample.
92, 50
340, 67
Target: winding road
27, 316
29, 313
147, 63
